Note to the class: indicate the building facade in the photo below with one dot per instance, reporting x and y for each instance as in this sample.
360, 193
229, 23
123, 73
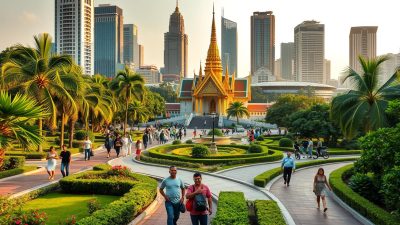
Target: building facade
229, 42
141, 55
262, 41
150, 74
109, 40
362, 42
309, 44
131, 46
176, 46
74, 31
287, 61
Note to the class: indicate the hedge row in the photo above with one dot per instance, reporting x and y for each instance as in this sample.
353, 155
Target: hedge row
168, 162
268, 213
12, 162
366, 208
16, 171
262, 179
27, 155
232, 209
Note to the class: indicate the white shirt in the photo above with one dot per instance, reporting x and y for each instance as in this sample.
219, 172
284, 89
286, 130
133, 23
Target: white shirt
87, 144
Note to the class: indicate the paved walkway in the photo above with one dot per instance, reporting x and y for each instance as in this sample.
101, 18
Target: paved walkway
301, 201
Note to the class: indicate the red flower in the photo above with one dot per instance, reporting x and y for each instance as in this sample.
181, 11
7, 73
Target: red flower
18, 222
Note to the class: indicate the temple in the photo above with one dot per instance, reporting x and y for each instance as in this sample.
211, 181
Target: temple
214, 91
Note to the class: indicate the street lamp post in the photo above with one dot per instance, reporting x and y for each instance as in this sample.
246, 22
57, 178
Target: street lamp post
213, 146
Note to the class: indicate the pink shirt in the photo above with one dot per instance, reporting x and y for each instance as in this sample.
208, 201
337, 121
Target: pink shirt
206, 192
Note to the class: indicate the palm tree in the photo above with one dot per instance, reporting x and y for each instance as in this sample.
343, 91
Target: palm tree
363, 109
37, 73
138, 112
16, 114
129, 86
238, 110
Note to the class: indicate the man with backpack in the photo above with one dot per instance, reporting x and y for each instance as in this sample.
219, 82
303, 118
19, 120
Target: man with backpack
174, 195
199, 202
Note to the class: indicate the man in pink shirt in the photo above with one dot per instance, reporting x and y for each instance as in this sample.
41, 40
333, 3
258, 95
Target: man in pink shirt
201, 203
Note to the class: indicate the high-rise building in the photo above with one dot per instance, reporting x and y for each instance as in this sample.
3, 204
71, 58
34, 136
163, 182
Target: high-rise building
53, 48
278, 71
388, 68
141, 55
287, 60
108, 39
262, 41
150, 74
176, 46
229, 45
327, 69
131, 46
309, 45
362, 42
74, 31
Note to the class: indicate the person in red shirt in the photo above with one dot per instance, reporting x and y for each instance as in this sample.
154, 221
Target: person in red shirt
199, 209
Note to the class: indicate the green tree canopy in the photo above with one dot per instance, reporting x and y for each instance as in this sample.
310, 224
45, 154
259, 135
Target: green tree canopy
238, 110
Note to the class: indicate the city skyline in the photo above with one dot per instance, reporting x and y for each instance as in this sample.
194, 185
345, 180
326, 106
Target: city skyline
33, 19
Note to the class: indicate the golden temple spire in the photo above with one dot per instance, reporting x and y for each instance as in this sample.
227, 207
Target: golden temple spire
233, 81
200, 73
226, 80
213, 62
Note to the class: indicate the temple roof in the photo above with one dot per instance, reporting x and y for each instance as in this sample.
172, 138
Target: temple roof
185, 89
213, 61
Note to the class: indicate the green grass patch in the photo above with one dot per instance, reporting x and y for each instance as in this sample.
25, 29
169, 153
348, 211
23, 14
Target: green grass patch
60, 206
16, 171
268, 213
232, 209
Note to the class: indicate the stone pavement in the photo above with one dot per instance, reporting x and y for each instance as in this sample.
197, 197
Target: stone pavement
301, 201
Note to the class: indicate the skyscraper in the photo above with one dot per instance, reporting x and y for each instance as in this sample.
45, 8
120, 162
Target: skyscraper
109, 40
131, 46
176, 46
74, 31
309, 44
362, 42
287, 60
229, 45
262, 41
141, 55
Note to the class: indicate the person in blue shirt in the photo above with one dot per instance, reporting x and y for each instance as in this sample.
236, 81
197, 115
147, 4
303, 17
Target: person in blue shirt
174, 195
288, 166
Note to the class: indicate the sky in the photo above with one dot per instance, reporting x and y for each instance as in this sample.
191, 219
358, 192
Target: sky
20, 20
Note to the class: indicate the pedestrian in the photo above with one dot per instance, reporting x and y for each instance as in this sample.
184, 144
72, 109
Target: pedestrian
51, 162
194, 134
174, 195
130, 144
288, 166
196, 196
65, 156
87, 147
319, 187
125, 145
145, 139
108, 143
310, 147
319, 146
117, 144
139, 147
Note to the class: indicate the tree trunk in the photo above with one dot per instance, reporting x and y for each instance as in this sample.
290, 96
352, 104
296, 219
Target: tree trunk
126, 116
237, 120
71, 132
62, 130
2, 154
92, 122
40, 125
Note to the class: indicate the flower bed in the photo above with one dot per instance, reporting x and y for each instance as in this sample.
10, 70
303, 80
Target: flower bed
357, 202
232, 209
268, 213
262, 179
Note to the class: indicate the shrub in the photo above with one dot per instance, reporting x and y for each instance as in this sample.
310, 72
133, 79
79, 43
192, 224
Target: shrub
232, 209
93, 205
176, 142
285, 142
169, 162
217, 132
363, 185
268, 213
253, 148
121, 171
260, 138
189, 141
27, 155
81, 134
200, 151
102, 167
390, 189
16, 171
13, 162
31, 217
69, 221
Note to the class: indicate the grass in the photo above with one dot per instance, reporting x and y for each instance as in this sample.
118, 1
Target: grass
60, 206
16, 171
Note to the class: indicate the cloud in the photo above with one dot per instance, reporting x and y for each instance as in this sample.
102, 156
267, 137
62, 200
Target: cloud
28, 18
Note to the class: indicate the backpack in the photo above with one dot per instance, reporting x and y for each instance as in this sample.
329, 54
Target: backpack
199, 203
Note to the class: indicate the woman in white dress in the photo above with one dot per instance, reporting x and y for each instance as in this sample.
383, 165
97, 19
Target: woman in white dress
51, 162
130, 142
125, 145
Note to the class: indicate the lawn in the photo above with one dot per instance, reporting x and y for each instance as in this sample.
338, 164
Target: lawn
60, 206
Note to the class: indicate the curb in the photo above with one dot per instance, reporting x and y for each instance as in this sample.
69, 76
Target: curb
148, 211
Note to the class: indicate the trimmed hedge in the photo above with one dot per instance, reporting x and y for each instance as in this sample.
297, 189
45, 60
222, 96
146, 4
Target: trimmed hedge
232, 209
12, 162
285, 142
16, 171
366, 208
168, 162
102, 167
268, 213
200, 151
27, 155
262, 179
177, 142
255, 148
189, 141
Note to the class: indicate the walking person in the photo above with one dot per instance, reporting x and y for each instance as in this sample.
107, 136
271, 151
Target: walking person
139, 147
319, 187
117, 144
125, 145
196, 195
145, 139
174, 195
288, 165
51, 162
310, 147
319, 146
108, 143
65, 156
87, 147
130, 144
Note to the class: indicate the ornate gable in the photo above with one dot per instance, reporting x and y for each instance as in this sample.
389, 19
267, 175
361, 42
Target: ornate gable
210, 87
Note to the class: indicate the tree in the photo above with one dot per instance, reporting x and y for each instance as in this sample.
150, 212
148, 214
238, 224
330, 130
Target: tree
37, 73
393, 112
129, 86
138, 112
238, 110
286, 105
16, 115
167, 91
363, 109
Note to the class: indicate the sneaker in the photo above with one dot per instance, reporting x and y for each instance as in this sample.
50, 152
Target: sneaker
325, 209
284, 182
288, 185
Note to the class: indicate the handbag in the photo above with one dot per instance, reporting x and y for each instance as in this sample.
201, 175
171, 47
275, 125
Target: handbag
189, 203
91, 152
182, 208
